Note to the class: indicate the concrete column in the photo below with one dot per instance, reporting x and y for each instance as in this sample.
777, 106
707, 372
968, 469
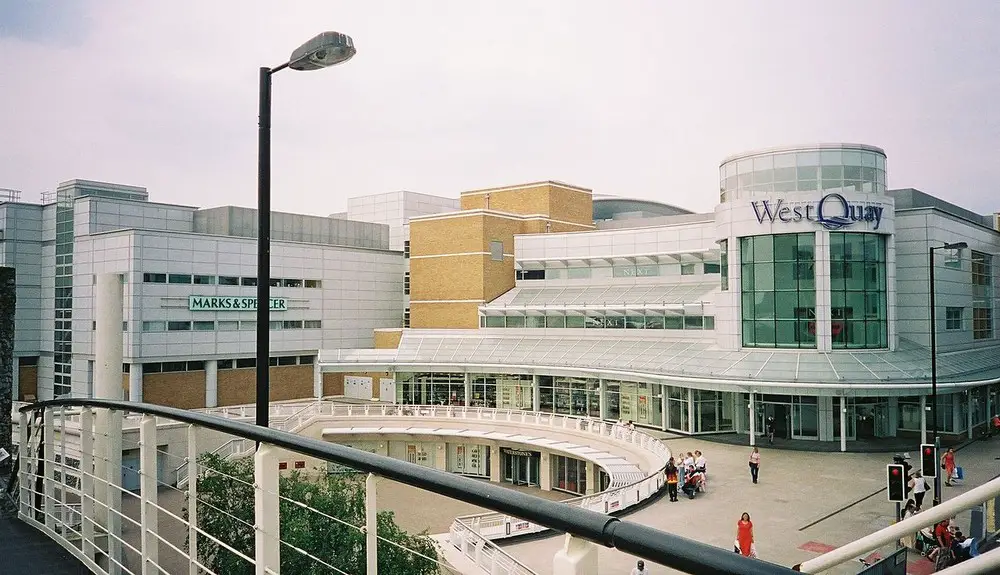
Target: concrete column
150, 544
15, 392
318, 379
690, 407
591, 478
212, 383
135, 382
843, 423
577, 557
602, 400
108, 337
752, 409
192, 499
86, 481
923, 419
441, 456
545, 472
536, 394
495, 463
371, 527
468, 388
267, 543
664, 406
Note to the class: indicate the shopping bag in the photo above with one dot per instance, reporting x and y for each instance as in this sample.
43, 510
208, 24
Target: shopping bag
959, 474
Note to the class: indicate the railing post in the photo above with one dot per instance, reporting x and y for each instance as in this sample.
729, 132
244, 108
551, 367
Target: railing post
49, 461
114, 493
371, 526
87, 481
577, 557
26, 458
192, 499
267, 521
147, 495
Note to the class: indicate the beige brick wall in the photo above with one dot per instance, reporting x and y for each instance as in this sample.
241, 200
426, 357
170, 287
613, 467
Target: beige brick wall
333, 383
529, 200
571, 206
446, 236
27, 381
436, 315
450, 278
291, 382
388, 338
239, 386
185, 389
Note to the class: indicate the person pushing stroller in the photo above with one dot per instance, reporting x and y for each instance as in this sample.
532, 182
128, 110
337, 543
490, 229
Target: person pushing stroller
694, 481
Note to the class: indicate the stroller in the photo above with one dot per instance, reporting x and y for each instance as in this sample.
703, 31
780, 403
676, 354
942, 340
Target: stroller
694, 481
925, 542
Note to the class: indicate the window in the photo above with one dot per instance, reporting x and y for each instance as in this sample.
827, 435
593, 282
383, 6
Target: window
154, 326
249, 282
312, 324
204, 326
173, 366
953, 318
858, 291
274, 282
982, 296
229, 325
313, 283
292, 324
196, 366
229, 281
982, 323
711, 268
688, 269
406, 283
204, 280
179, 279
246, 363
724, 263
406, 317
406, 249
274, 325
307, 359
779, 290
953, 259
291, 283
288, 360
496, 251
178, 326
248, 325
577, 273
154, 278
530, 274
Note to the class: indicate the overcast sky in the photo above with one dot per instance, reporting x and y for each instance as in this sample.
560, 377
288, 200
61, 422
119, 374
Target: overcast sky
633, 98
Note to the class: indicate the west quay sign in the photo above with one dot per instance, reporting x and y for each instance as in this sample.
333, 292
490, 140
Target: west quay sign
224, 303
832, 211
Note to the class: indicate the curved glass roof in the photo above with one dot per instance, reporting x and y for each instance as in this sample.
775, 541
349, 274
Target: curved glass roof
620, 295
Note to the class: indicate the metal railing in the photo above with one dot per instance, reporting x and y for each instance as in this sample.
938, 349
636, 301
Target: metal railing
98, 539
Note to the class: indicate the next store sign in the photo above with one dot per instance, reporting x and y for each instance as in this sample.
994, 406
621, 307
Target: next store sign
224, 303
832, 211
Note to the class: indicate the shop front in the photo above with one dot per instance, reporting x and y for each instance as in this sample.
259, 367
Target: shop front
520, 467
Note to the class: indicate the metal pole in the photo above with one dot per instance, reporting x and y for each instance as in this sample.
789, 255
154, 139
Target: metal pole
371, 526
263, 247
934, 424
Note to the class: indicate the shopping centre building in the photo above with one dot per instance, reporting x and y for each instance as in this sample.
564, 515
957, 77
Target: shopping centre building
804, 295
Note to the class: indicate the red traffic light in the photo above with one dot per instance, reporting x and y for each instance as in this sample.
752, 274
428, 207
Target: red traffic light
895, 471
927, 451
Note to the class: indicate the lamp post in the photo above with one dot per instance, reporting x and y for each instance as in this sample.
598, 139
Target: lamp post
325, 50
934, 425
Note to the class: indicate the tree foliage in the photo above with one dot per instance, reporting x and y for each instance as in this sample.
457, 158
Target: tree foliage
226, 512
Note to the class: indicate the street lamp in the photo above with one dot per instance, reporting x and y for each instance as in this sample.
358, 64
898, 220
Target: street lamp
934, 425
325, 50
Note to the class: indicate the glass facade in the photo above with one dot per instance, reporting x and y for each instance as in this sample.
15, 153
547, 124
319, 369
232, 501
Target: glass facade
568, 395
667, 319
63, 335
823, 170
778, 275
858, 291
982, 296
568, 474
640, 403
724, 263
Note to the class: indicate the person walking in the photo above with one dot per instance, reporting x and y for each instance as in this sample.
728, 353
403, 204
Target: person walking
919, 486
640, 568
911, 509
754, 464
673, 476
769, 426
744, 537
700, 463
948, 464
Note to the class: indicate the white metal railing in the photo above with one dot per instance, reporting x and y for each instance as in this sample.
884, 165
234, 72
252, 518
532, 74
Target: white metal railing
985, 563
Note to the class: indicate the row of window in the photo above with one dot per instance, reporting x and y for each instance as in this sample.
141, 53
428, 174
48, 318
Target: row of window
226, 325
982, 321
600, 321
158, 278
623, 271
242, 363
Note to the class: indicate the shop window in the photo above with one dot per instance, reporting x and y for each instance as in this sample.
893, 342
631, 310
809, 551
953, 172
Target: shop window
578, 273
530, 274
711, 267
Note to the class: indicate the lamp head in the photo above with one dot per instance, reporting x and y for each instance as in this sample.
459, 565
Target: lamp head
955, 246
325, 50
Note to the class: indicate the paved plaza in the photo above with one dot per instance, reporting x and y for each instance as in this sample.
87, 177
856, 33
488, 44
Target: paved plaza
805, 503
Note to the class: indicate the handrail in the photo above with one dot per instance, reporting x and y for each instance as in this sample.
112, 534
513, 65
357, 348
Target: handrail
926, 518
650, 544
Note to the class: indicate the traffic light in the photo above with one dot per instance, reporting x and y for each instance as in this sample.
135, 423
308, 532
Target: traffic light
896, 479
928, 460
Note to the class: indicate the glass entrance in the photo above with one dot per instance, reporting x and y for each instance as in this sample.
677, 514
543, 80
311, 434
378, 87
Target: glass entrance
521, 467
871, 418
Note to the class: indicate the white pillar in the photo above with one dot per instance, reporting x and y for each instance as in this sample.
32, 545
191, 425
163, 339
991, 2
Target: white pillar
266, 519
536, 394
664, 406
467, 389
150, 544
318, 379
545, 472
371, 526
108, 337
843, 423
113, 482
577, 557
602, 400
212, 383
192, 500
495, 463
135, 382
752, 409
923, 419
690, 407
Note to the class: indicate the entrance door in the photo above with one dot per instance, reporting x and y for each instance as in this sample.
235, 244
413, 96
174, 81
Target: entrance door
387, 390
521, 469
781, 412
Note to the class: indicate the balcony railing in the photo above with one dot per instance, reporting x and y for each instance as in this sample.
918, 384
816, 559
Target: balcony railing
112, 535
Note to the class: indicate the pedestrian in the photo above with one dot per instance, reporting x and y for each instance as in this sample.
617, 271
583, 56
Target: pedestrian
700, 463
754, 464
919, 486
640, 568
673, 476
911, 509
688, 460
769, 427
948, 464
744, 537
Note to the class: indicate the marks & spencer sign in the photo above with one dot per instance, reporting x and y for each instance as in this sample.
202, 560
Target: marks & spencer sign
832, 211
217, 303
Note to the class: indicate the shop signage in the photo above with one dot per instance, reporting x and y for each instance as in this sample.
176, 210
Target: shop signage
224, 303
832, 211
518, 452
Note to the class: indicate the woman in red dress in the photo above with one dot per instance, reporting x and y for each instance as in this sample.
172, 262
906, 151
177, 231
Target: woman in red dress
948, 463
744, 536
